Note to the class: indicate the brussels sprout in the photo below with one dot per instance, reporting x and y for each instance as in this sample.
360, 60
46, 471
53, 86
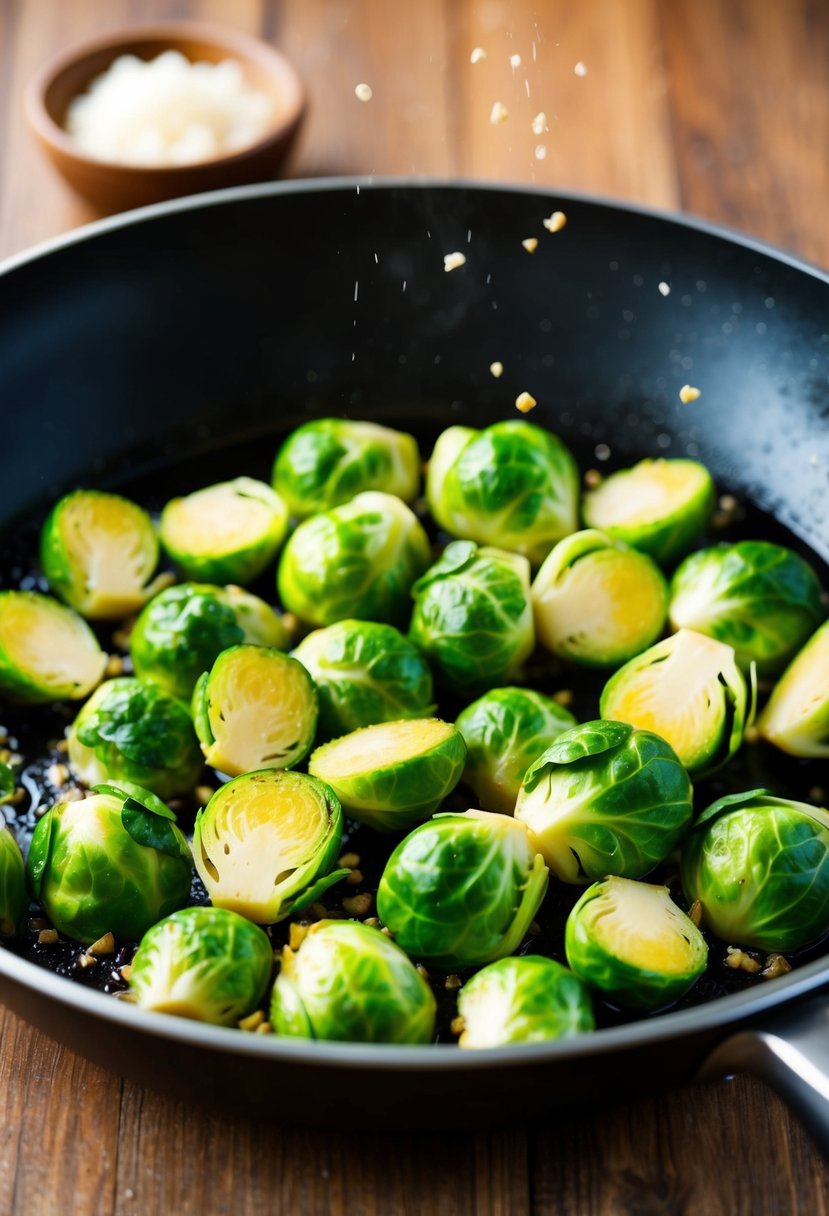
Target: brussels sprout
796, 717
523, 1000
184, 629
13, 898
513, 485
484, 875
760, 598
206, 964
112, 862
505, 730
597, 602
47, 652
365, 673
630, 942
256, 708
689, 690
326, 462
759, 866
606, 798
227, 533
98, 552
132, 730
347, 981
393, 775
265, 842
472, 617
658, 506
357, 560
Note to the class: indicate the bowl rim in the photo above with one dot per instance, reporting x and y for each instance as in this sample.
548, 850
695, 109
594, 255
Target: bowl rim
246, 47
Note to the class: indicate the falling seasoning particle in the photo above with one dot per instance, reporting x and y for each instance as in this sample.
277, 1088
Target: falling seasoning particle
664, 289
477, 55
555, 222
530, 244
688, 393
525, 402
364, 92
602, 451
580, 69
497, 369
451, 261
540, 152
498, 114
539, 123
515, 61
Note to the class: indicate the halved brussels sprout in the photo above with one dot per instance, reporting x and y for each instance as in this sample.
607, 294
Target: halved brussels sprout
760, 598
395, 774
658, 506
13, 897
133, 730
206, 964
357, 560
326, 462
796, 717
183, 630
505, 730
265, 842
462, 890
598, 602
365, 673
513, 485
472, 617
256, 708
688, 689
227, 533
759, 866
630, 942
112, 862
348, 981
523, 1000
47, 652
99, 552
606, 798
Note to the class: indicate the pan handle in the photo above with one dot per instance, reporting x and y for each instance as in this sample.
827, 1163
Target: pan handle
790, 1052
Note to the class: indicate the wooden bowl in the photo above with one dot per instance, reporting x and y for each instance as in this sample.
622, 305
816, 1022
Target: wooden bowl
112, 186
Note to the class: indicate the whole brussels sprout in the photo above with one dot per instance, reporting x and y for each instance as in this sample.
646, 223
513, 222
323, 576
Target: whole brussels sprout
606, 798
357, 560
132, 730
112, 862
265, 842
630, 942
324, 463
256, 708
759, 866
796, 717
206, 964
688, 689
47, 652
347, 981
395, 774
523, 1000
184, 629
659, 506
472, 617
365, 673
760, 598
13, 897
598, 602
227, 533
99, 552
505, 730
512, 485
481, 871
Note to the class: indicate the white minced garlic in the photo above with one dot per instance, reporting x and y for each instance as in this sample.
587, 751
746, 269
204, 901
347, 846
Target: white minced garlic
451, 261
688, 393
525, 402
530, 244
364, 92
539, 123
168, 111
477, 55
497, 368
555, 222
498, 114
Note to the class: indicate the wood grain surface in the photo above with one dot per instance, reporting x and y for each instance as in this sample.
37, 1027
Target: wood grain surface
720, 107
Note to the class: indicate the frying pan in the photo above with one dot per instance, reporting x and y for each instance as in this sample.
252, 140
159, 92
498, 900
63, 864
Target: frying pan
233, 317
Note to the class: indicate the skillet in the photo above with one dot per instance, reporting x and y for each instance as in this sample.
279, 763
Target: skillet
227, 319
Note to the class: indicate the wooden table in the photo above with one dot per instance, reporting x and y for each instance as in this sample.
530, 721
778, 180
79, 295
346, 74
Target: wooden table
720, 107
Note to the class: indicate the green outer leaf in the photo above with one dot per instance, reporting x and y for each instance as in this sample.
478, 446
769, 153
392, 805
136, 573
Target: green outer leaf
150, 830
14, 900
8, 781
198, 708
530, 999
145, 800
40, 850
588, 740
